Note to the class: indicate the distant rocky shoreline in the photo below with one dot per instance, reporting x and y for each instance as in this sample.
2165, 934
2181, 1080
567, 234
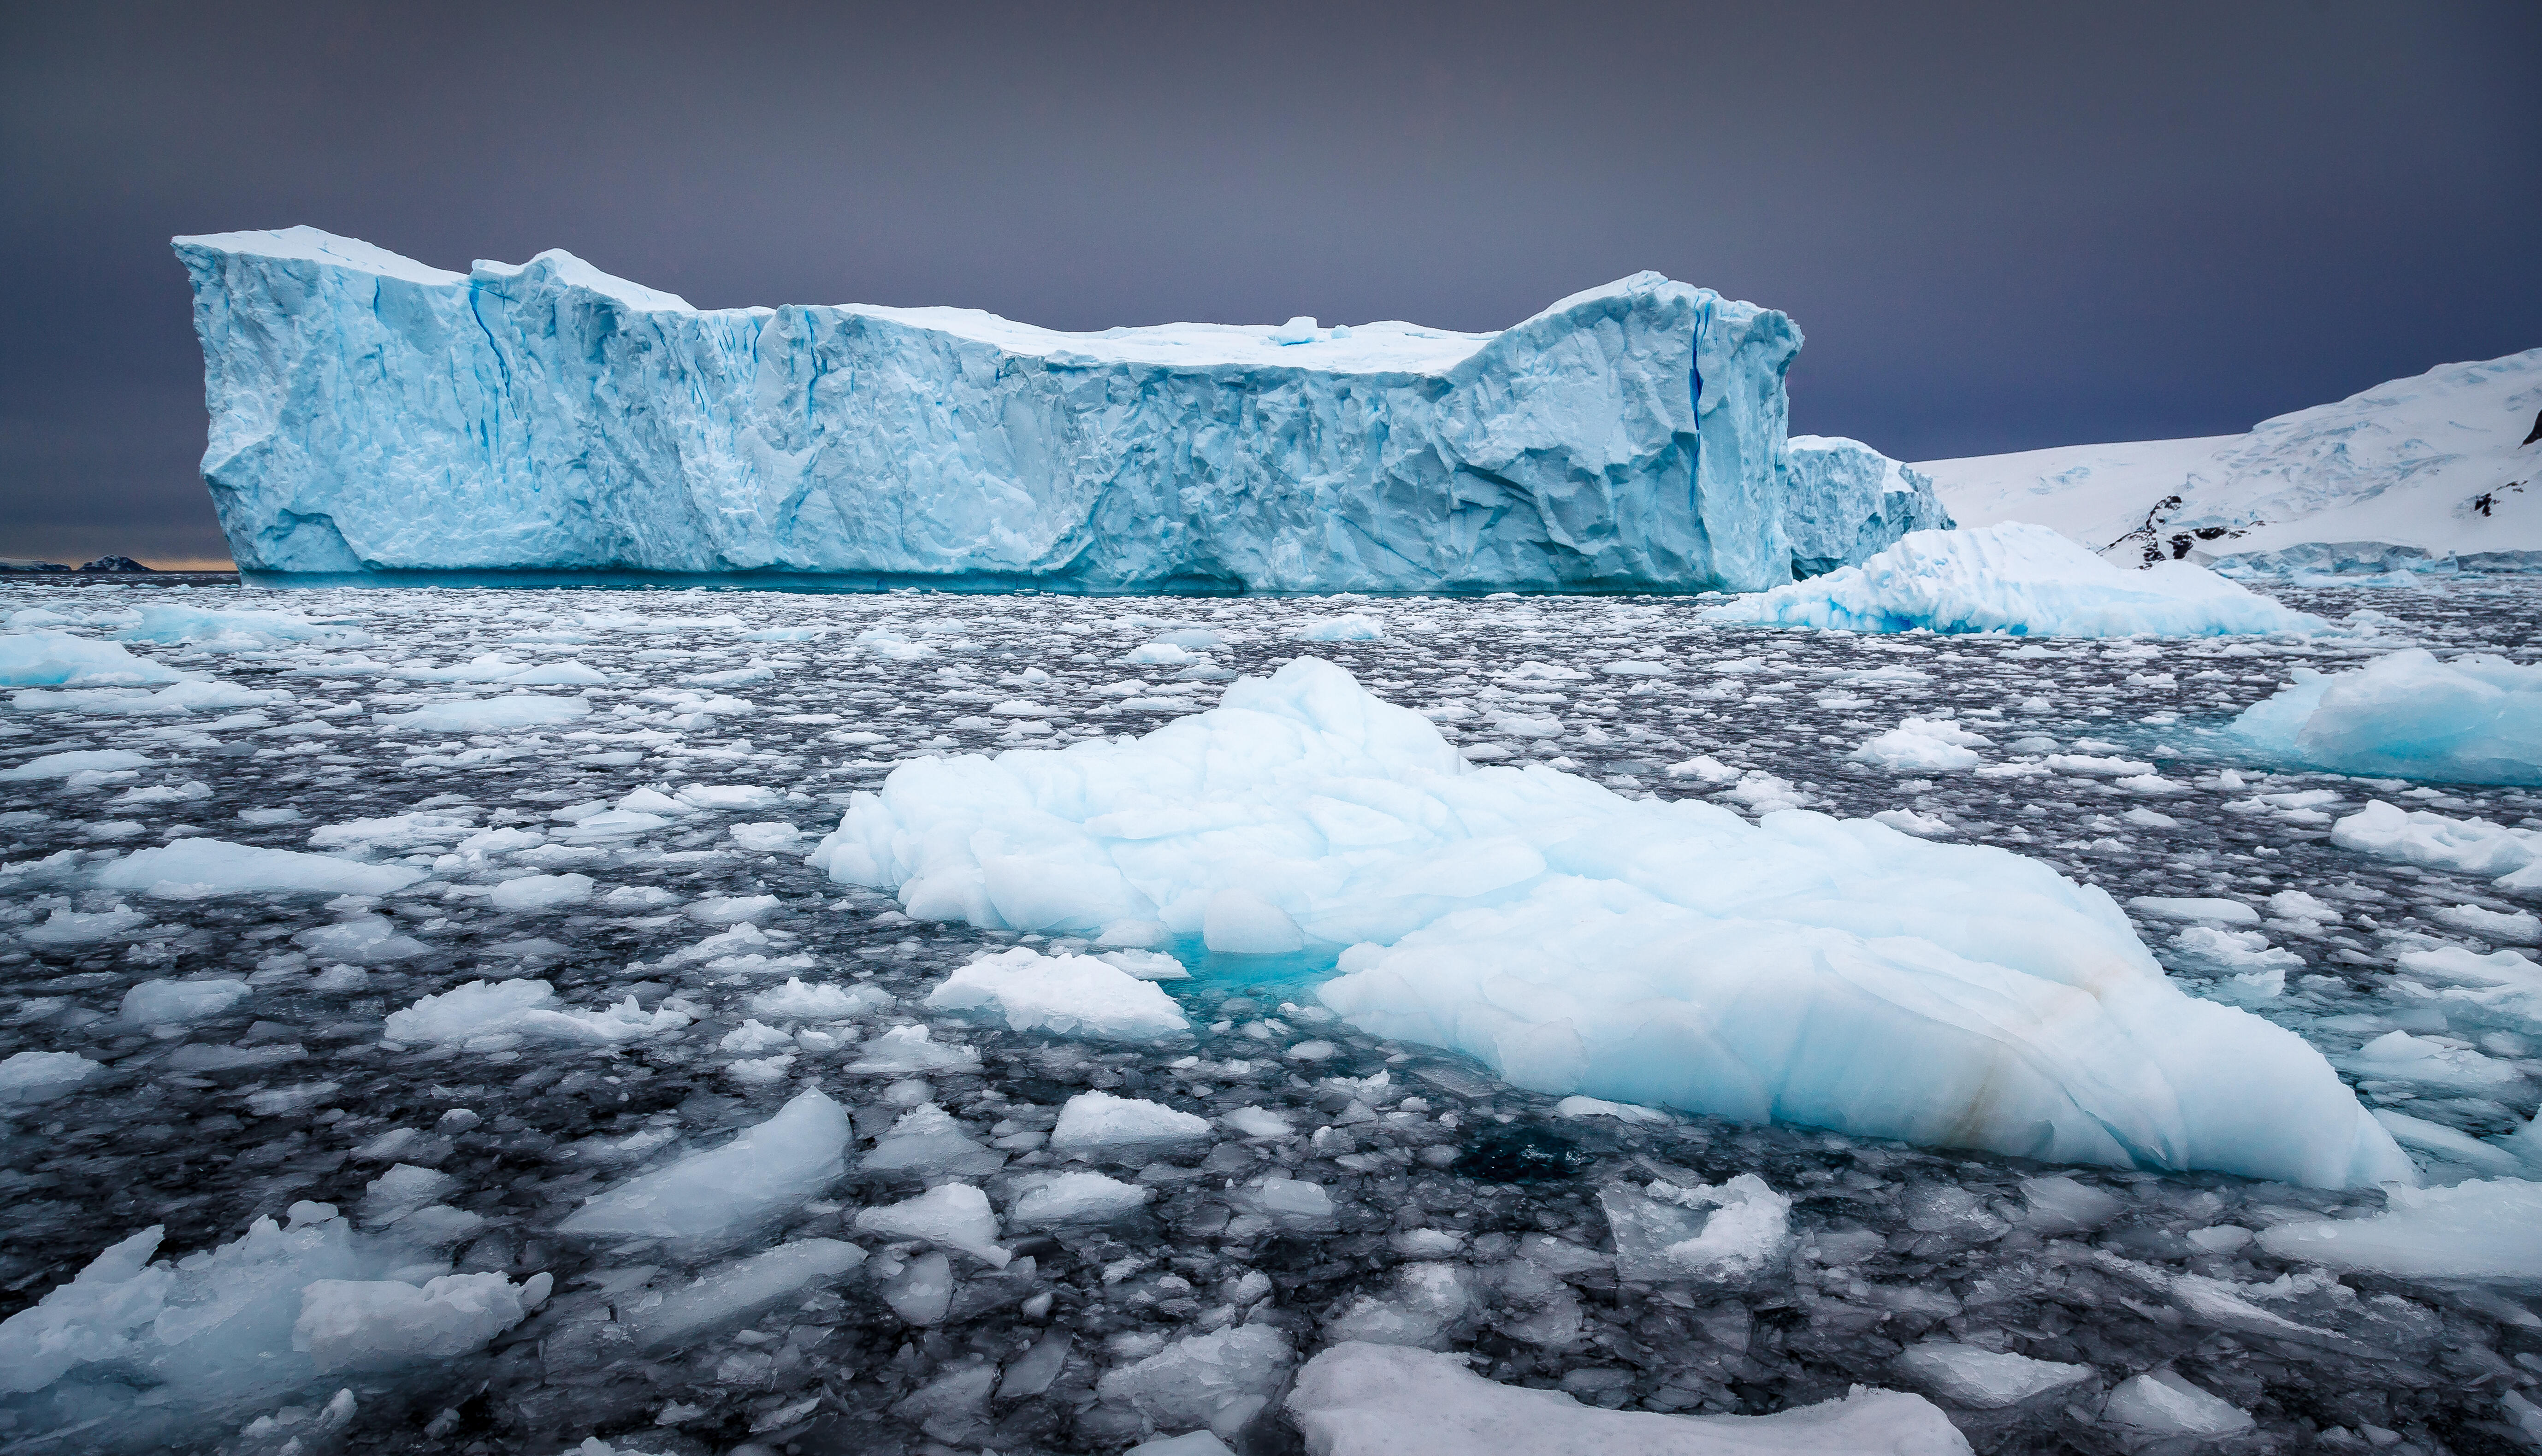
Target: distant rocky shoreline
102, 563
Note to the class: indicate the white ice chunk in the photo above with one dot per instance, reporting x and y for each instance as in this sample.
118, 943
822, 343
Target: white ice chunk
42, 1076
1662, 952
58, 659
1984, 1379
489, 714
74, 761
2486, 1230
2021, 579
914, 1048
1717, 1233
388, 1324
953, 1215
771, 1169
1378, 1400
494, 1009
1069, 995
541, 891
76, 927
2477, 719
926, 1139
733, 1291
1098, 1125
176, 1003
2163, 1403
1931, 745
2471, 846
1218, 1381
200, 866
1076, 1198
826, 1001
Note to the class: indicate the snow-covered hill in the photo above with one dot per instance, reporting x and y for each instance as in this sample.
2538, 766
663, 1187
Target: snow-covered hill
2415, 473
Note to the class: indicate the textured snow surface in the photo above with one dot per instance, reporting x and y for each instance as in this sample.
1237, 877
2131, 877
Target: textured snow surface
1804, 968
2475, 720
549, 417
2024, 580
2390, 479
1282, 1180
1848, 502
1375, 1400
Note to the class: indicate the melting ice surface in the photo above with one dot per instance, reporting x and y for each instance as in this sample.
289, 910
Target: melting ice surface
2024, 580
2476, 719
550, 417
1839, 974
303, 912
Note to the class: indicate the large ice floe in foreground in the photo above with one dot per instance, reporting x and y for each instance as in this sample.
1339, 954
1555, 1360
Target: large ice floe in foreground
2475, 720
2024, 580
1802, 968
1359, 1399
372, 414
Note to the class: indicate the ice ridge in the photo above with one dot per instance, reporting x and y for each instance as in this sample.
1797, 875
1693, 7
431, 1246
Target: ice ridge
372, 415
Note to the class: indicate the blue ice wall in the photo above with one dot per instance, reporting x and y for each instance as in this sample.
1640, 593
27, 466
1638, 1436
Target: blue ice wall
371, 415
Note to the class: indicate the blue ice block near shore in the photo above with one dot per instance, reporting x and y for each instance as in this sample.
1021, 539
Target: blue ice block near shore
372, 416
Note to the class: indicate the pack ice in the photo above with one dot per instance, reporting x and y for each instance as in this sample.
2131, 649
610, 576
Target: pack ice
370, 414
2476, 719
1800, 969
2027, 581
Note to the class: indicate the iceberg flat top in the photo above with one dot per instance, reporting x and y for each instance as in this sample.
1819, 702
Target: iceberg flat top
1388, 347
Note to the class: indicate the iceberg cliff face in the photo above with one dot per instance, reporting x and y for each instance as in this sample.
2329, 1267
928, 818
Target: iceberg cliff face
1848, 502
370, 414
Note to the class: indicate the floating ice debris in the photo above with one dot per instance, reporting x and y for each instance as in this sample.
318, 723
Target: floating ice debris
1984, 1379
1069, 995
953, 1215
2486, 1231
768, 1170
2476, 719
1075, 1197
2025, 580
1096, 1125
926, 1139
2471, 846
824, 1000
388, 1324
1726, 1234
1376, 1400
198, 867
177, 1002
507, 1010
174, 624
41, 1076
1929, 745
2163, 1403
58, 659
1665, 948
1349, 628
728, 1292
75, 761
1219, 1381
490, 715
913, 1049
540, 892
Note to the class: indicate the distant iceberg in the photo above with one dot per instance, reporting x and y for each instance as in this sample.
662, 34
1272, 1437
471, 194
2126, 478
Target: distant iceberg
2024, 580
1848, 502
2476, 719
372, 416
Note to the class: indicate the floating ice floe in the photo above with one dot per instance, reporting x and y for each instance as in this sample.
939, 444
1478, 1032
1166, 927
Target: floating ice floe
1358, 1399
2482, 1232
132, 1355
196, 868
724, 1195
1069, 995
495, 1015
58, 659
42, 1076
1800, 969
2512, 858
489, 714
2475, 720
2024, 580
189, 696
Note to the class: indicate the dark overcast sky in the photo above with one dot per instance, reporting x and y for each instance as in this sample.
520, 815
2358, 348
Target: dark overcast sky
2001, 227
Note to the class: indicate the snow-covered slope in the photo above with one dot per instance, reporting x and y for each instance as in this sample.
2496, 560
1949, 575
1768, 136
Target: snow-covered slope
2411, 474
370, 414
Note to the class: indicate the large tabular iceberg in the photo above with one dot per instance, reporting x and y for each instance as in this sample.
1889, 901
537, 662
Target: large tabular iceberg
2025, 580
371, 415
2472, 720
1803, 969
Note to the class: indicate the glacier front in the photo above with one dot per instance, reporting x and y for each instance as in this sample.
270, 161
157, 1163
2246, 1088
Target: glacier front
372, 416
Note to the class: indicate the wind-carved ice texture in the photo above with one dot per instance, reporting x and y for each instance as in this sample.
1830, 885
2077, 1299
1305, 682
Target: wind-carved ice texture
370, 414
1848, 502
